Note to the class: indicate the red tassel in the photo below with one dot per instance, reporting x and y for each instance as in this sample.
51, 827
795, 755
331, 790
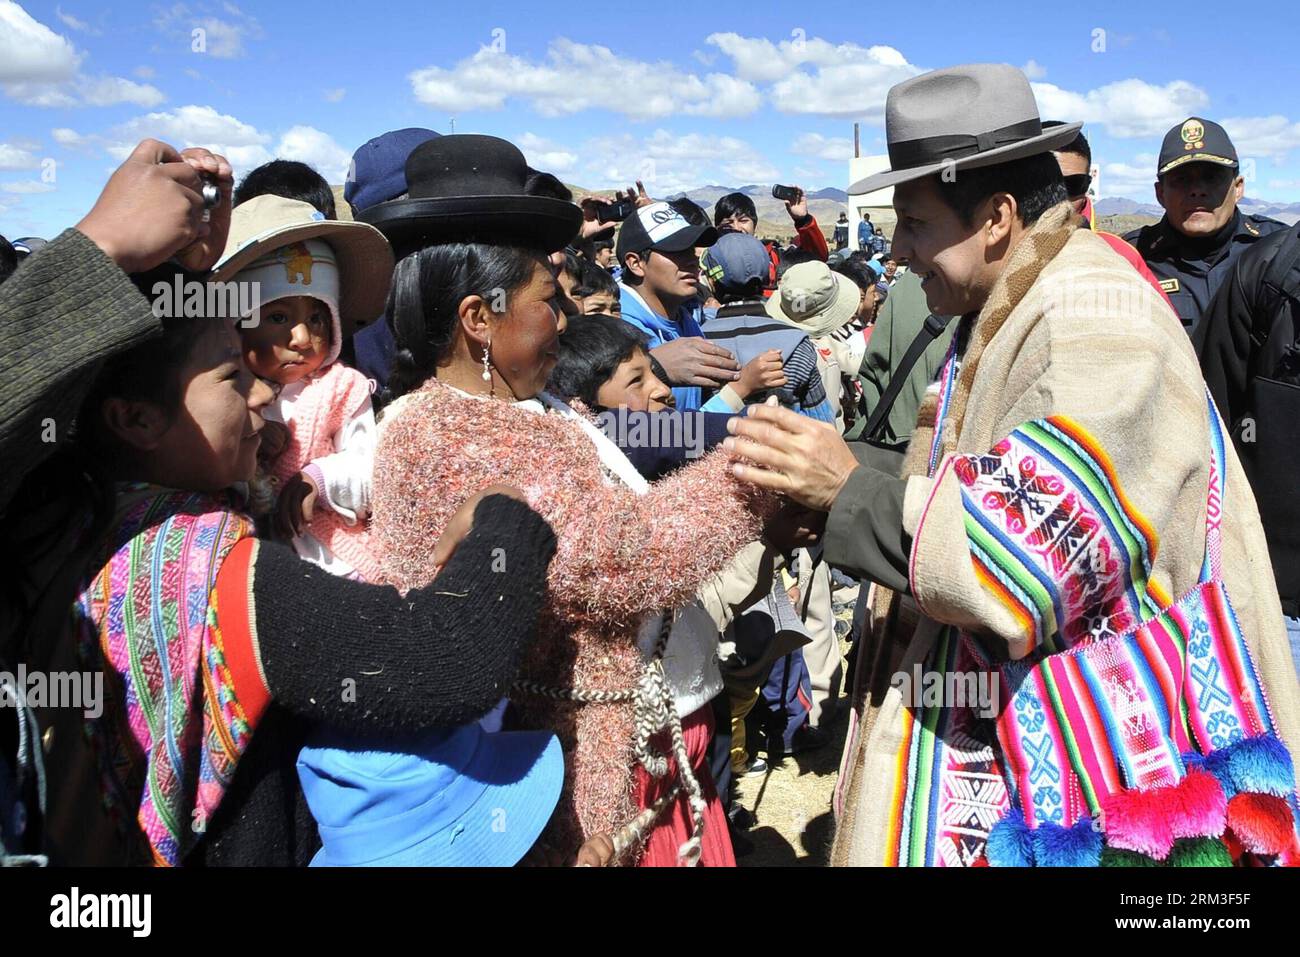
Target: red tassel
1139, 821
1262, 822
1201, 806
1234, 845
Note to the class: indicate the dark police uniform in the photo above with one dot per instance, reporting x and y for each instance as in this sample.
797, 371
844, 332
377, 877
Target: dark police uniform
1191, 270
1189, 273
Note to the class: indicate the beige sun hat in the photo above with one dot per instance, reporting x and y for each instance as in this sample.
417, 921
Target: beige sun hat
365, 260
815, 299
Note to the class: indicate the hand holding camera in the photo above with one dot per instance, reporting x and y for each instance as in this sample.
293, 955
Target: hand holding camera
796, 203
153, 207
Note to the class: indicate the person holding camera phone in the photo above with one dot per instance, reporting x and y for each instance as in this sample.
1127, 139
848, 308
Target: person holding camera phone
660, 286
736, 212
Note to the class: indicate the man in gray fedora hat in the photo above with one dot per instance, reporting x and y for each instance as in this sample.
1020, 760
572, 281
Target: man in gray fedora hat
1070, 409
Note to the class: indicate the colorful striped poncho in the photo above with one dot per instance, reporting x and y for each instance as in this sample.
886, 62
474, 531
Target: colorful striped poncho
173, 728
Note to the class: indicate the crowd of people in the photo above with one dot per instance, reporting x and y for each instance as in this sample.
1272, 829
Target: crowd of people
466, 524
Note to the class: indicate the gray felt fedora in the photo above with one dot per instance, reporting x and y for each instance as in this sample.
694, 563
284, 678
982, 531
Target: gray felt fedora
964, 116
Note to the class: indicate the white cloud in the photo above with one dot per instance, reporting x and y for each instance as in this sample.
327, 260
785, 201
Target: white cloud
846, 79
73, 23
1271, 136
545, 155
1133, 179
85, 91
27, 186
576, 77
1127, 108
823, 147
30, 52
17, 156
111, 90
336, 95
145, 72
1284, 184
68, 137
1034, 70
223, 39
242, 144
668, 163
40, 68
317, 149
44, 95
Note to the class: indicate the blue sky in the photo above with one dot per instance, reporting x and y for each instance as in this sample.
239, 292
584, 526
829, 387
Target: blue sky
681, 94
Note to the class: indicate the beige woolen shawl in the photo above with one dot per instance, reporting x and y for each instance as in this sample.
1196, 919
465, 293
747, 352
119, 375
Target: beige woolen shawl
1069, 328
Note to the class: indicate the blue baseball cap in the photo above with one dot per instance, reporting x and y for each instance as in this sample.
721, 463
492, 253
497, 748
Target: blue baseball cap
378, 170
736, 260
459, 797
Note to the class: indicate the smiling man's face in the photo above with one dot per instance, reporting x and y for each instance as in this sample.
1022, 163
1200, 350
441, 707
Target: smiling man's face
947, 254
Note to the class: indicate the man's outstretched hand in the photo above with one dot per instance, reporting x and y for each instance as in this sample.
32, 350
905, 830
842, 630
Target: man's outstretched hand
800, 457
691, 360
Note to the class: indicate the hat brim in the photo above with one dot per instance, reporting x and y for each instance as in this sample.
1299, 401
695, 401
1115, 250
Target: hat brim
845, 306
1197, 158
1043, 143
365, 265
533, 222
523, 774
688, 239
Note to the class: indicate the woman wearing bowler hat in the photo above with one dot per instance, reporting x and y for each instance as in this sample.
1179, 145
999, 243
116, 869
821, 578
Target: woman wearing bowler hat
474, 314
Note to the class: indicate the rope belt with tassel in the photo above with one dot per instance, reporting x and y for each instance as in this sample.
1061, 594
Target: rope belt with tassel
655, 711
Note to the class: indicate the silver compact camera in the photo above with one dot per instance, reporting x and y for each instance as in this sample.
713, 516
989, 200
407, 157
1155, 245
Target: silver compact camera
211, 196
211, 193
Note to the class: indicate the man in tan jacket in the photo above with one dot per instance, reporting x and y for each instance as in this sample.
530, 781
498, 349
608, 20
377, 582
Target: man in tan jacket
979, 544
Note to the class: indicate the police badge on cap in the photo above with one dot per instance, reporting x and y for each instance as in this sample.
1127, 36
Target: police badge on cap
1196, 140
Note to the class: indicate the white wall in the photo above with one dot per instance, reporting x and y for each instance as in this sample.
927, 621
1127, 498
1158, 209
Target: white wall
880, 203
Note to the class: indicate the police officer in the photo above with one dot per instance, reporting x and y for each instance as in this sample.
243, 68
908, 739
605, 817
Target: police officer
1249, 347
1192, 249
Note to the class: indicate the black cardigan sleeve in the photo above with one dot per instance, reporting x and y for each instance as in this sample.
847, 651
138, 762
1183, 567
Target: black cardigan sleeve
364, 658
65, 310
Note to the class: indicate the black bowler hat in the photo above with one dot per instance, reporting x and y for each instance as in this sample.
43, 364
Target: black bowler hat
470, 188
1196, 141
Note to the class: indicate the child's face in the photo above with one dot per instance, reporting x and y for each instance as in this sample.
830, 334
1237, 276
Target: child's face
212, 441
291, 341
635, 385
602, 302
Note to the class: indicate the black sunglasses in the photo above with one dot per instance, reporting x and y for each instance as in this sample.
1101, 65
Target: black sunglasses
1077, 185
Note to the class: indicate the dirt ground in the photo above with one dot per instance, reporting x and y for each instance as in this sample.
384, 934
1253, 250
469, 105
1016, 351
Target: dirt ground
791, 804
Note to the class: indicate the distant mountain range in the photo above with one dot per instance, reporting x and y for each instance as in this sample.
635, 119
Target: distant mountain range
1288, 213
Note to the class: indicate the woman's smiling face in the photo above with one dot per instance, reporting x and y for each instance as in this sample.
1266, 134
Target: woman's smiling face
211, 440
525, 336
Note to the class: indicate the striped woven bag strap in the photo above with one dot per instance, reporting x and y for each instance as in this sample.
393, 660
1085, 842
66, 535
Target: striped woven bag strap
1212, 565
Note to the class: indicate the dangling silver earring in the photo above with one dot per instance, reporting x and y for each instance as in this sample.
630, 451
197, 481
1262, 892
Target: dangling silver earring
487, 362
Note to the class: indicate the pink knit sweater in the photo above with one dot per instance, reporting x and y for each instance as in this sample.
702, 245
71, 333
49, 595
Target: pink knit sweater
327, 403
620, 557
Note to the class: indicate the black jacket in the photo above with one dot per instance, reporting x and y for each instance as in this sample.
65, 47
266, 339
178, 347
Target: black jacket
1249, 347
1190, 272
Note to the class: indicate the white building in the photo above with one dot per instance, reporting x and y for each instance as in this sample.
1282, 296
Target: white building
879, 204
